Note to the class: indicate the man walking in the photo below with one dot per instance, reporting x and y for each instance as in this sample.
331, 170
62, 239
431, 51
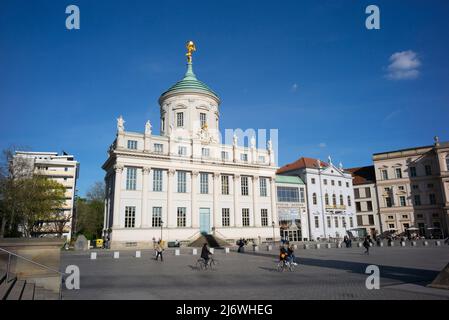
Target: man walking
366, 244
159, 250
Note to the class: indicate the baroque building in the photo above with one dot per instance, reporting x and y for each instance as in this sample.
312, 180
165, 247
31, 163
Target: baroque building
184, 183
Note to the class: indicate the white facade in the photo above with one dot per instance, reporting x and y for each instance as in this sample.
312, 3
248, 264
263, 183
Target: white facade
60, 168
184, 182
330, 200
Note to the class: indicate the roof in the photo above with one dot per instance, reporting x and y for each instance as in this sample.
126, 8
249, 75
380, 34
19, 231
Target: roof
300, 164
362, 175
288, 179
190, 84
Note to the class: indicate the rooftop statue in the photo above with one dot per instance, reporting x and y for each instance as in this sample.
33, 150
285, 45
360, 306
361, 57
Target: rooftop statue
190, 48
148, 128
120, 124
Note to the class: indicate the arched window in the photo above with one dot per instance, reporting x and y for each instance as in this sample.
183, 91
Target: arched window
314, 198
326, 199
349, 200
334, 199
341, 200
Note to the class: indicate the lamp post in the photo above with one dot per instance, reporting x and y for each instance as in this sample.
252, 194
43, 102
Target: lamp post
162, 222
273, 224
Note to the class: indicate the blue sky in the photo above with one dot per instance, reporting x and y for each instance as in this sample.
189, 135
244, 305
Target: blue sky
309, 68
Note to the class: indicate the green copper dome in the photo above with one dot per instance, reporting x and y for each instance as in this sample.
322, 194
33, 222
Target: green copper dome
190, 84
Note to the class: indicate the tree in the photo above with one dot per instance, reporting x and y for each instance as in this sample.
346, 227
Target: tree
90, 212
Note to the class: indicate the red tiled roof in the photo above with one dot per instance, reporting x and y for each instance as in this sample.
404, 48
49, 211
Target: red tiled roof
301, 163
362, 175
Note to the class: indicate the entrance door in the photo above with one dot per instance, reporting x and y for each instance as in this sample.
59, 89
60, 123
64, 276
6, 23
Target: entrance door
205, 220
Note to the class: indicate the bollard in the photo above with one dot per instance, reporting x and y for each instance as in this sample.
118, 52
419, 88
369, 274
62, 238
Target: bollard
211, 250
295, 246
402, 243
391, 244
339, 245
138, 254
359, 244
317, 246
194, 251
328, 245
425, 243
413, 243
176, 252
226, 250
116, 255
306, 246
381, 244
93, 256
370, 244
269, 248
438, 243
255, 248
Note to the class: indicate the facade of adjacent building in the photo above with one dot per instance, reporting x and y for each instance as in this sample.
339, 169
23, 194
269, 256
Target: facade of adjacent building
329, 193
365, 199
292, 208
413, 189
63, 169
184, 182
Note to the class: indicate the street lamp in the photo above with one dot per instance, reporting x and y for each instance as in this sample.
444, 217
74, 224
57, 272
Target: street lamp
162, 222
273, 224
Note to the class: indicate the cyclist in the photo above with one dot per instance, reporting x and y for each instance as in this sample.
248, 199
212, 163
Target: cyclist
291, 255
283, 254
205, 254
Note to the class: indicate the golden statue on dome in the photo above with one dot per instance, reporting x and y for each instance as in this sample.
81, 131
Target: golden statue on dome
190, 48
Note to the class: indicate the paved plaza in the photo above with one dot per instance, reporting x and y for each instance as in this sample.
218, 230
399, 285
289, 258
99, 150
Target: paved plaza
321, 274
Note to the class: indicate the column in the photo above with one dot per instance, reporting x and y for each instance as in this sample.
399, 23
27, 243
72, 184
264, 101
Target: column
216, 214
144, 207
273, 216
194, 191
237, 220
170, 222
256, 211
117, 189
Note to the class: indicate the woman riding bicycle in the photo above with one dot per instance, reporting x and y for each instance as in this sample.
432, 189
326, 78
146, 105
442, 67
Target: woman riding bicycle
205, 253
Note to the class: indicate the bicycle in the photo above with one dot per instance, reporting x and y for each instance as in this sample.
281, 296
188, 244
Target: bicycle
203, 265
284, 265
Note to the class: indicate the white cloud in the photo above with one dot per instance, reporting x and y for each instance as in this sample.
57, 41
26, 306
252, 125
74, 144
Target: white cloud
392, 114
295, 87
322, 145
403, 66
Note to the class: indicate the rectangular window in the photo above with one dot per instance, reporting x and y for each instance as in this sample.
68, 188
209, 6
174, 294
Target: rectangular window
351, 222
130, 217
401, 188
357, 193
391, 225
156, 219
368, 192
339, 183
317, 223
358, 207
390, 217
325, 182
157, 180
245, 217
224, 155
384, 175
412, 171
204, 183
244, 182
328, 219
332, 182
428, 169
369, 206
288, 194
224, 184
432, 198
205, 152
261, 159
417, 199
182, 181
244, 157
182, 151
388, 202
313, 180
132, 144
430, 185
402, 201
263, 187
398, 173
131, 178
371, 219
225, 217
347, 184
415, 187
336, 222
181, 216
404, 216
359, 220
158, 147
264, 217
302, 195
180, 119
203, 119
343, 221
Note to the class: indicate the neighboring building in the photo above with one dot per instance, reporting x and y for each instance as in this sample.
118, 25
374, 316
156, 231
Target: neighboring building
292, 208
413, 188
365, 199
184, 182
63, 169
330, 202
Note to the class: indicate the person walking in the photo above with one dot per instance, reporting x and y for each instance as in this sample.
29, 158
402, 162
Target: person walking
366, 244
159, 251
205, 254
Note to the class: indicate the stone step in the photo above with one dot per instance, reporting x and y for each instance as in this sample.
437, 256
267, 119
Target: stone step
44, 294
6, 287
16, 291
28, 291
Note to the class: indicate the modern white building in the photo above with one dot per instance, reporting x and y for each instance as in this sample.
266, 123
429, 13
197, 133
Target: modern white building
330, 202
292, 208
60, 168
184, 182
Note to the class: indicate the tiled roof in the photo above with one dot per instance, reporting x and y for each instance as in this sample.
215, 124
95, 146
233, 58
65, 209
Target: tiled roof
301, 163
362, 175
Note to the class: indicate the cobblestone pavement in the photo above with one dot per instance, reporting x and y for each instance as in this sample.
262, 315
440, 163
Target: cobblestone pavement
321, 274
